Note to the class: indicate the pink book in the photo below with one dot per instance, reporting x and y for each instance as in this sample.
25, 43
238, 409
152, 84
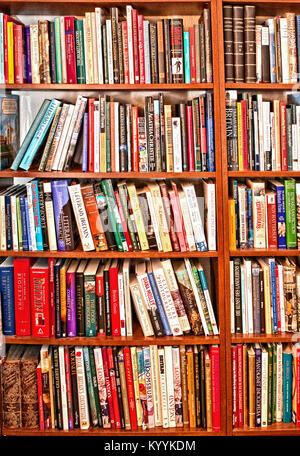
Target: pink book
135, 47
189, 124
70, 50
214, 354
141, 48
18, 53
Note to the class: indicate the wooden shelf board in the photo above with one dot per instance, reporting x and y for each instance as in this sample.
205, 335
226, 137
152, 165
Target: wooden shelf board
265, 252
268, 174
264, 338
107, 87
78, 253
261, 85
91, 175
274, 429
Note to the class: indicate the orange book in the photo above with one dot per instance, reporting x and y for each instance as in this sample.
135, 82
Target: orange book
93, 215
191, 386
232, 224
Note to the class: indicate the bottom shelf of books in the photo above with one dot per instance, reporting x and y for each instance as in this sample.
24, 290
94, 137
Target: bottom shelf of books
107, 390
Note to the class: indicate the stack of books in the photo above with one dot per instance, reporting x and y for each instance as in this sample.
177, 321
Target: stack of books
126, 217
266, 51
265, 384
89, 298
264, 295
116, 46
264, 214
117, 388
116, 137
262, 135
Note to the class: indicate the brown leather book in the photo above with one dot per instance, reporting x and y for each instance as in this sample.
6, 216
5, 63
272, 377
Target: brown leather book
228, 43
238, 43
120, 53
277, 50
11, 392
30, 406
208, 46
161, 53
44, 51
202, 53
265, 54
250, 44
124, 389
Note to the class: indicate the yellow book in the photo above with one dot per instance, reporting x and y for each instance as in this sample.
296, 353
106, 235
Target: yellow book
135, 205
232, 224
240, 136
94, 46
168, 136
267, 294
191, 386
251, 386
10, 52
160, 217
135, 377
89, 48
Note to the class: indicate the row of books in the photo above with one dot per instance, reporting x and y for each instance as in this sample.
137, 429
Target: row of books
262, 135
89, 298
264, 214
176, 216
63, 387
264, 295
265, 384
115, 137
266, 51
111, 46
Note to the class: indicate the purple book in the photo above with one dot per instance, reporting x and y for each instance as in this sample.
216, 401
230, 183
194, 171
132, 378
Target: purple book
28, 55
71, 299
85, 142
65, 227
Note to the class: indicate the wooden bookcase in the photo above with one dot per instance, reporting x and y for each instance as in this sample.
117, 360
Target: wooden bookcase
156, 9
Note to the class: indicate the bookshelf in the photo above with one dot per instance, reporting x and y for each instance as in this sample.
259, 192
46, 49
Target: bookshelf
264, 9
132, 93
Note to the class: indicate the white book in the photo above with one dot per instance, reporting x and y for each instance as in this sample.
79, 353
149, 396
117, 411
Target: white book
31, 217
99, 21
149, 387
109, 52
94, 47
248, 289
155, 385
258, 32
194, 211
147, 52
166, 298
273, 141
243, 302
122, 304
62, 140
277, 133
232, 306
145, 287
82, 389
14, 222
255, 130
130, 44
177, 151
96, 136
51, 230
209, 189
154, 221
34, 53
63, 50
127, 300
177, 386
261, 133
140, 307
207, 298
284, 41
187, 221
163, 388
170, 386
63, 387
74, 137
101, 384
279, 381
81, 218
281, 297
117, 151
266, 127
264, 387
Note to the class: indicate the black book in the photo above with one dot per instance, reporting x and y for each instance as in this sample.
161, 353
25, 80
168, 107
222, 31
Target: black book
167, 43
119, 390
76, 418
149, 117
162, 133
120, 48
237, 295
107, 296
123, 140
153, 53
52, 52
57, 388
115, 51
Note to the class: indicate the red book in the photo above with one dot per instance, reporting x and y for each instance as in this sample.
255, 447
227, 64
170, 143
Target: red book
40, 397
22, 296
271, 219
130, 387
298, 387
190, 139
245, 134
51, 296
234, 387
39, 291
240, 384
135, 138
114, 392
203, 141
91, 133
108, 387
6, 19
181, 221
135, 46
114, 299
141, 48
18, 54
192, 54
125, 52
70, 50
214, 354
278, 299
284, 165
123, 220
69, 388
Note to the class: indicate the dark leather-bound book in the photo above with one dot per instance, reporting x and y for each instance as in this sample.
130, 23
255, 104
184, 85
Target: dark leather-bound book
228, 43
237, 295
265, 54
11, 393
167, 42
202, 385
250, 44
197, 386
202, 53
149, 117
238, 43
115, 50
177, 64
52, 52
123, 141
120, 54
119, 387
30, 407
153, 53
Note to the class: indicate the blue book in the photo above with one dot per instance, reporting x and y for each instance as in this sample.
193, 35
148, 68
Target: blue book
236, 200
63, 215
39, 135
37, 215
278, 187
210, 135
159, 304
272, 50
187, 60
9, 241
7, 296
57, 265
287, 370
271, 262
85, 142
250, 218
23, 222
297, 20
28, 224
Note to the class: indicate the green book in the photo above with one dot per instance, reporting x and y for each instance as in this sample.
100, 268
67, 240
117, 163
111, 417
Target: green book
289, 137
19, 223
270, 379
117, 214
202, 297
90, 386
107, 136
58, 50
79, 51
90, 316
274, 383
123, 198
95, 384
27, 140
111, 204
105, 56
290, 213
